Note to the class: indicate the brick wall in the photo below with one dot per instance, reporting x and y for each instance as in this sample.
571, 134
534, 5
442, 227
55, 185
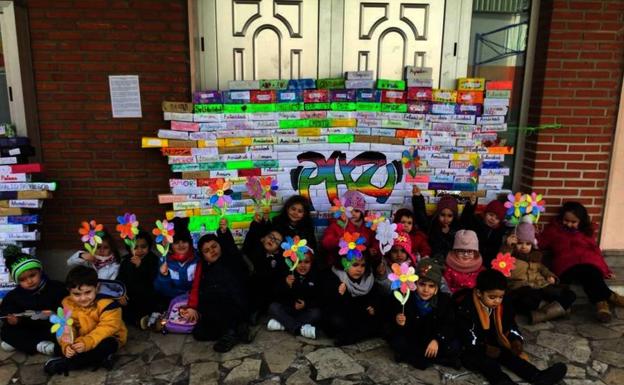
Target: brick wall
96, 160
578, 72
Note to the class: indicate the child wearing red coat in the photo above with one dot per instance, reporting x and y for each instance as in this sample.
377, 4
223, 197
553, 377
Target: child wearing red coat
463, 263
334, 232
577, 258
420, 245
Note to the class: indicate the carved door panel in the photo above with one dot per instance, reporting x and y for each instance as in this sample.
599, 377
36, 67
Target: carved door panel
385, 36
266, 39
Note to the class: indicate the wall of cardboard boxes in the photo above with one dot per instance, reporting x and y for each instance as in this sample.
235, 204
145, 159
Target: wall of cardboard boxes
321, 137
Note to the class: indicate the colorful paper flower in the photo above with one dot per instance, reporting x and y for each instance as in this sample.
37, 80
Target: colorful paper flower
403, 277
254, 188
504, 263
410, 160
221, 193
373, 220
128, 228
535, 206
351, 245
516, 207
92, 233
269, 189
340, 212
62, 324
295, 250
386, 234
164, 233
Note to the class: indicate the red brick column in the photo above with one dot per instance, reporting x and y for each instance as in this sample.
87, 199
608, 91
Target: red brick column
96, 160
579, 65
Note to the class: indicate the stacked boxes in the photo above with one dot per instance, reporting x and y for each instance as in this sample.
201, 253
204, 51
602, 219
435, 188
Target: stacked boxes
20, 198
320, 138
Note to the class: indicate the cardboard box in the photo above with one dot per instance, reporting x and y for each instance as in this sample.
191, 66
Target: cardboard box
391, 96
207, 97
418, 73
263, 96
316, 96
360, 75
419, 94
244, 84
177, 107
470, 97
444, 96
470, 84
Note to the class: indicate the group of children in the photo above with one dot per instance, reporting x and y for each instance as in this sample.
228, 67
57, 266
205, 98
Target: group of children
460, 313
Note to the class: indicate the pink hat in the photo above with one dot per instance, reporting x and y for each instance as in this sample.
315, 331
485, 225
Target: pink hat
496, 207
405, 242
526, 233
466, 240
447, 202
354, 199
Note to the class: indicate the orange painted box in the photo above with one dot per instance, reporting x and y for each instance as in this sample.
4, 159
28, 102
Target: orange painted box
499, 85
470, 97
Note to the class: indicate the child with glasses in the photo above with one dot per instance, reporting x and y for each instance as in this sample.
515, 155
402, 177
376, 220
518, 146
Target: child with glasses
463, 263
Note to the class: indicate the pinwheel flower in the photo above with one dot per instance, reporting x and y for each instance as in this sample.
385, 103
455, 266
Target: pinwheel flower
516, 205
254, 188
386, 234
351, 245
410, 160
61, 323
504, 263
164, 236
269, 186
128, 226
535, 206
373, 219
92, 233
221, 193
403, 277
295, 250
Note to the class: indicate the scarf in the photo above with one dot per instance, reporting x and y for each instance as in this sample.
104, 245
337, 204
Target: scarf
356, 289
182, 258
470, 266
101, 261
484, 317
424, 307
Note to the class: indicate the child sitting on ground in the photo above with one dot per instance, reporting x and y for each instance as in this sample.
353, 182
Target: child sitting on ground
295, 219
531, 283
423, 329
98, 331
30, 332
296, 307
490, 337
105, 261
489, 227
463, 263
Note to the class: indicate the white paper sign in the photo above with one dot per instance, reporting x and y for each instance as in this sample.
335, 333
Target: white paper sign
125, 96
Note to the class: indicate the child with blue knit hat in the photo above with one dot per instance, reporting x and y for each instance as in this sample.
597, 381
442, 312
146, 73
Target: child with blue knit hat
25, 309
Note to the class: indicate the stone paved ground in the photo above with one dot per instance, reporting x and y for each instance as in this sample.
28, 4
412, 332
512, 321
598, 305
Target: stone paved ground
594, 353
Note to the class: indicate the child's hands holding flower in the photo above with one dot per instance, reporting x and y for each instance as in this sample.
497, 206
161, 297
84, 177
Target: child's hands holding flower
12, 320
342, 288
400, 319
300, 304
223, 225
290, 279
370, 310
164, 269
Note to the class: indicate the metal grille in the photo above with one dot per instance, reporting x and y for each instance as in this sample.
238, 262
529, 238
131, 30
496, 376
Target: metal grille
501, 6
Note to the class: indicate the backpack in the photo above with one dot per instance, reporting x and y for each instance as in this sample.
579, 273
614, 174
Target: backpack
173, 321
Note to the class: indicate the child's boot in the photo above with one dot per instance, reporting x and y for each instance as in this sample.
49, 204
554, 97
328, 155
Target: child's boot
226, 342
46, 347
551, 375
616, 299
603, 313
7, 347
57, 366
548, 312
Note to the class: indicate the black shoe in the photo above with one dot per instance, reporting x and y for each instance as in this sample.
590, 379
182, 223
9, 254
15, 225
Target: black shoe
253, 318
244, 334
225, 343
56, 366
108, 362
551, 375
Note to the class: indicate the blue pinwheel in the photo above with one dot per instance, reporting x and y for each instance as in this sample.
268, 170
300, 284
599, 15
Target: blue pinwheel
62, 325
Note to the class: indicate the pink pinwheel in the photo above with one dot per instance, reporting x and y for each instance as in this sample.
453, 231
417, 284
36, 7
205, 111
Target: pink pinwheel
351, 245
403, 277
92, 233
164, 233
535, 206
504, 263
516, 207
254, 188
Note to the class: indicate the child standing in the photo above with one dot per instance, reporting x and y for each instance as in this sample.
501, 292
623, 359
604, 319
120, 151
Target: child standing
105, 261
463, 263
262, 247
295, 219
491, 338
218, 300
400, 252
34, 292
98, 328
441, 227
351, 302
420, 244
296, 307
577, 258
355, 224
531, 283
489, 228
176, 274
423, 328
138, 271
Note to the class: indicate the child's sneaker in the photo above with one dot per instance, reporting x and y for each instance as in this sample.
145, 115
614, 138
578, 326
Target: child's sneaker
46, 347
151, 322
6, 347
56, 366
308, 331
225, 343
274, 325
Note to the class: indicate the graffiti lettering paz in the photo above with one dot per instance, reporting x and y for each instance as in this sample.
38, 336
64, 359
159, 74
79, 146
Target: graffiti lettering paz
324, 171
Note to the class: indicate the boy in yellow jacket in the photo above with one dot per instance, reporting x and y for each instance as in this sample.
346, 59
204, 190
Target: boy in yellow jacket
98, 328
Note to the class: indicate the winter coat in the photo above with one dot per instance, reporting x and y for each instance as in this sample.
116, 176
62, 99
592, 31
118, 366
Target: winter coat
282, 224
438, 325
529, 270
48, 296
266, 268
139, 281
333, 233
457, 280
346, 304
490, 240
305, 287
179, 280
97, 322
108, 271
420, 244
440, 243
571, 248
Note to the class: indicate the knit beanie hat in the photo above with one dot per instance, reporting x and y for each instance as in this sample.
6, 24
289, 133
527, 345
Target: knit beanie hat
19, 262
447, 202
466, 240
182, 233
355, 200
428, 269
526, 232
404, 241
496, 207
